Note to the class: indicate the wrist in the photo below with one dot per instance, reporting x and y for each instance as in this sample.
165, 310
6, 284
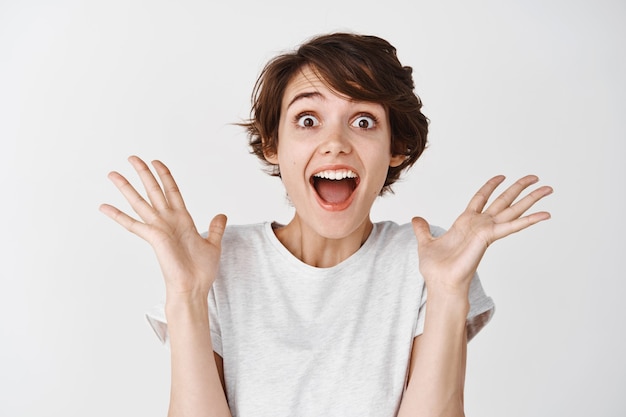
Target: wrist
442, 288
186, 306
450, 304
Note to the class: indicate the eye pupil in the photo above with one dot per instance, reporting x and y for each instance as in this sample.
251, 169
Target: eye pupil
308, 122
364, 123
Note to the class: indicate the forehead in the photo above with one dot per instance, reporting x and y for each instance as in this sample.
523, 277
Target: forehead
307, 82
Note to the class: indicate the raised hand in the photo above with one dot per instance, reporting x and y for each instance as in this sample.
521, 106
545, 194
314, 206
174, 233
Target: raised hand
448, 262
188, 261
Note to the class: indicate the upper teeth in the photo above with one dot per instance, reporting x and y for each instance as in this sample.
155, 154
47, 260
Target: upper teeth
338, 174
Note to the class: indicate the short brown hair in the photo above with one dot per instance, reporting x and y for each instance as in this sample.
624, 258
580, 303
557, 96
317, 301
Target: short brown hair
362, 67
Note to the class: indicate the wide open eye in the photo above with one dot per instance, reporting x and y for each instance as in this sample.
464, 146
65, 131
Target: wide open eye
307, 120
364, 122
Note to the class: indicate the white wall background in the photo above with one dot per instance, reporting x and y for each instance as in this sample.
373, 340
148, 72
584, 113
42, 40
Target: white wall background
511, 87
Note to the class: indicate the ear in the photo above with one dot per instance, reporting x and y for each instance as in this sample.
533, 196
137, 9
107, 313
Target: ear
396, 160
270, 157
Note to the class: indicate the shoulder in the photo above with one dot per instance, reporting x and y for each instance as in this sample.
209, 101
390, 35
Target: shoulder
243, 240
396, 242
246, 234
243, 231
389, 231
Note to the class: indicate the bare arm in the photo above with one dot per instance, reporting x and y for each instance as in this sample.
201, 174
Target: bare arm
189, 264
437, 368
197, 388
448, 263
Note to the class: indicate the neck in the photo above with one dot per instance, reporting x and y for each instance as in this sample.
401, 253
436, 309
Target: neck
317, 250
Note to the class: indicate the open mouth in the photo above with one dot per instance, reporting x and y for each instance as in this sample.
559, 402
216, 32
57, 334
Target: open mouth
335, 187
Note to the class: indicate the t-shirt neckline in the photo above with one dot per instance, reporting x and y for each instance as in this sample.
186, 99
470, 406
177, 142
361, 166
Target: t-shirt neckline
297, 263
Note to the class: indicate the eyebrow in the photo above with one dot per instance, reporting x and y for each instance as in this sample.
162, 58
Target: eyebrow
307, 94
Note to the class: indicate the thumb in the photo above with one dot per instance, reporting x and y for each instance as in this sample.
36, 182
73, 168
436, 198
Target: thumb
216, 229
421, 230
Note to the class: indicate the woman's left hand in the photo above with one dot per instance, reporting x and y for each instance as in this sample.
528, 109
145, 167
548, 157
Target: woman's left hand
449, 261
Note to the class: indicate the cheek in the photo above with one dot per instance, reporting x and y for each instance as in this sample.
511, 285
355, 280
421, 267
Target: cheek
381, 164
291, 166
287, 158
295, 152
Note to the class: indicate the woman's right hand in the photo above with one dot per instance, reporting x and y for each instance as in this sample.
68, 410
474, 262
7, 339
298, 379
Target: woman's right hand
188, 261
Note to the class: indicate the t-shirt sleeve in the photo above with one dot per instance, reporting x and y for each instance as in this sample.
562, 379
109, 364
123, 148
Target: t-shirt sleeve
216, 330
421, 315
156, 320
482, 308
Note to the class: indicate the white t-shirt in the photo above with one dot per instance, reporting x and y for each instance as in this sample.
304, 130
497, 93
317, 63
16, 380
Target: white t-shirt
304, 341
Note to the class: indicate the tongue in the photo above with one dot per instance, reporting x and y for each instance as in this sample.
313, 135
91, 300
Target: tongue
334, 191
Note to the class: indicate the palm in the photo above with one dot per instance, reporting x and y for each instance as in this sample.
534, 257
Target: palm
183, 253
189, 262
450, 260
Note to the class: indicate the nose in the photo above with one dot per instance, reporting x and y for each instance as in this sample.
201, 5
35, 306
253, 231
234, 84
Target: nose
336, 141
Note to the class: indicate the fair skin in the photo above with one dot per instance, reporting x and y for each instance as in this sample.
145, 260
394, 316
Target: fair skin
319, 131
322, 134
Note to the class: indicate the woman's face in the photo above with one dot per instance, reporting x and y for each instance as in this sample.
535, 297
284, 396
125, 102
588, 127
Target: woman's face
333, 153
